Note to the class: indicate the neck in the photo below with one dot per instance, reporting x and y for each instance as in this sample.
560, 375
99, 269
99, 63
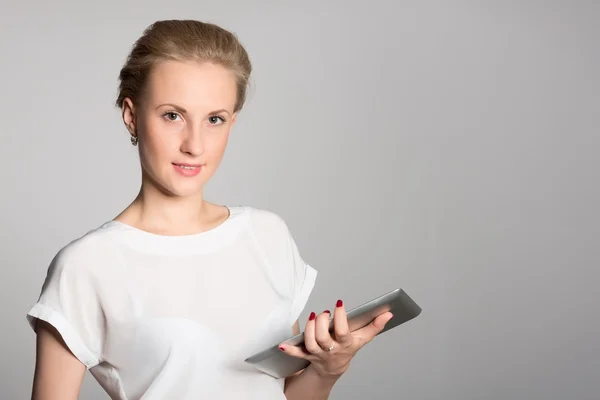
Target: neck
158, 212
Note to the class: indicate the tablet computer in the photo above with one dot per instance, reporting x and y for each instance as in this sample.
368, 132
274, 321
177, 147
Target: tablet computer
280, 365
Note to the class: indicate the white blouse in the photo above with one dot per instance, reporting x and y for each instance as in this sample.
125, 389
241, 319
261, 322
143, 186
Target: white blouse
173, 317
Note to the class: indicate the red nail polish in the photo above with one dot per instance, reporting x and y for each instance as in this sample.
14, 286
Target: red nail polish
281, 348
312, 316
327, 311
339, 303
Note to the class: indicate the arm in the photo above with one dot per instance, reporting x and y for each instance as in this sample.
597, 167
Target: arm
307, 384
58, 374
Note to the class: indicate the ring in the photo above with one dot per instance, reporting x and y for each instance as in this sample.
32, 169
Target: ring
331, 347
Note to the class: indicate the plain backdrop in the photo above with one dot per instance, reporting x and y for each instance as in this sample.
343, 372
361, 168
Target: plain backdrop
448, 148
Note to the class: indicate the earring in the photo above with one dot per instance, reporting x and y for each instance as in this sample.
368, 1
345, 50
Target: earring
134, 140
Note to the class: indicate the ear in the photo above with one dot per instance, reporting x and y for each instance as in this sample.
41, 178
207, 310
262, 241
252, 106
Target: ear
128, 113
233, 119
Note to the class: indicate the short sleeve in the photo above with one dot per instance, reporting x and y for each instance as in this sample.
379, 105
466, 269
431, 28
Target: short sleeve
291, 274
68, 301
304, 279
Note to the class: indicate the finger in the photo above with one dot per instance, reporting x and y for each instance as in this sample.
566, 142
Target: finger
368, 332
310, 342
294, 351
340, 325
322, 334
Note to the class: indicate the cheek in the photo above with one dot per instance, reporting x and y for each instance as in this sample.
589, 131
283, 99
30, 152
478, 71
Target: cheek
153, 149
158, 141
215, 145
218, 143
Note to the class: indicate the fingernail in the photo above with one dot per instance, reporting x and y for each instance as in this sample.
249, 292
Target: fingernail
281, 348
339, 303
327, 311
312, 316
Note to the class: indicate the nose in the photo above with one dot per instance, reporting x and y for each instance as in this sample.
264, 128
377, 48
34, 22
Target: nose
193, 142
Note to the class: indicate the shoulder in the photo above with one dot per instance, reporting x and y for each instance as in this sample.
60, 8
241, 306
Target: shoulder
84, 253
267, 222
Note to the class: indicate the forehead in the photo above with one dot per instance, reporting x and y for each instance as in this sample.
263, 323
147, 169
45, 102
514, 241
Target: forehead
192, 85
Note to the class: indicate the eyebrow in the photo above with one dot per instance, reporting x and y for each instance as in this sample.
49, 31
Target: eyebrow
183, 110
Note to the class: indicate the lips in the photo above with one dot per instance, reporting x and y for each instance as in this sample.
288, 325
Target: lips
186, 169
188, 166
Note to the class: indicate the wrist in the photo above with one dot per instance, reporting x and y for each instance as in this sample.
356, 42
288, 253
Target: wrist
324, 377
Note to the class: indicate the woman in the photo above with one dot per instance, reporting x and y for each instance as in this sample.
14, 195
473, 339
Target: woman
167, 299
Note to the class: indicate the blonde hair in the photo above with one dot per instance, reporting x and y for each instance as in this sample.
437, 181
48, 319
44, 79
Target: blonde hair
183, 40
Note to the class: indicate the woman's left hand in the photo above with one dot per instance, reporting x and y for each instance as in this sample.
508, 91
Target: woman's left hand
330, 355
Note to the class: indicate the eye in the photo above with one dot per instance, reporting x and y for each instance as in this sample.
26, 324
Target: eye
214, 120
170, 116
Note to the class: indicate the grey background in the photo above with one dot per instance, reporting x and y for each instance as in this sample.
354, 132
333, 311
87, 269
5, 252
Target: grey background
449, 148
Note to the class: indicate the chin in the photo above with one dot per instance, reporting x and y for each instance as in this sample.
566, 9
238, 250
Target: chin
185, 190
174, 185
